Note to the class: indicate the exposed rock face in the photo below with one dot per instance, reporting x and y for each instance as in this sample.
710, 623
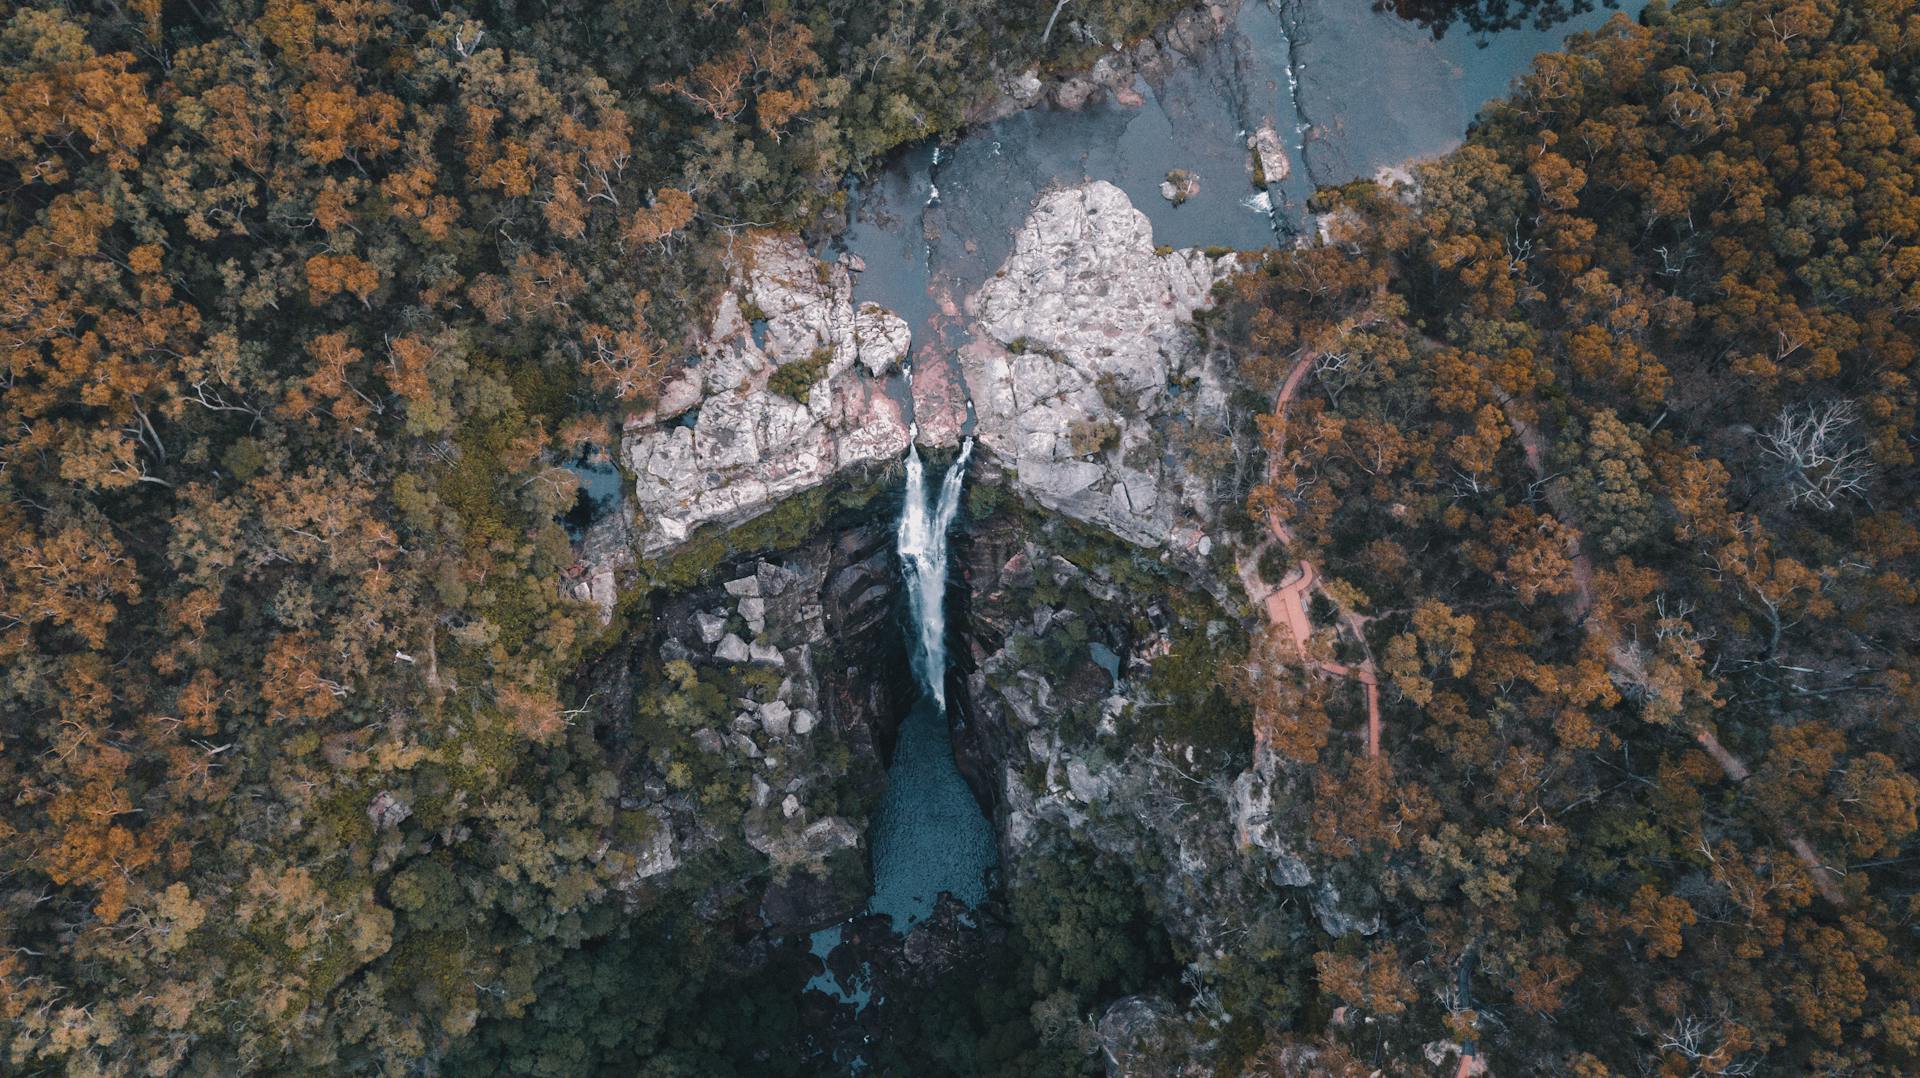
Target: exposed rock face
811, 677
721, 445
605, 553
1146, 1037
1065, 754
1072, 755
939, 403
1113, 76
1085, 354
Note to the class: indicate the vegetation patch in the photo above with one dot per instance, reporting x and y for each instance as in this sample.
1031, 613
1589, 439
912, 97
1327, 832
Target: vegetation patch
796, 379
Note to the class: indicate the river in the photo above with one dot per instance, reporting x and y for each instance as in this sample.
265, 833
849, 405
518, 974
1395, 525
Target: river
1349, 89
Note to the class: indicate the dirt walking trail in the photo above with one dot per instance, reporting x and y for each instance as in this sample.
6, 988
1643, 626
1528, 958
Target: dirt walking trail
1286, 605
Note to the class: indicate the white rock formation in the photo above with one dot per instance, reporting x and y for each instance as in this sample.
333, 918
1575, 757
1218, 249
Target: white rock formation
747, 447
1080, 340
1269, 154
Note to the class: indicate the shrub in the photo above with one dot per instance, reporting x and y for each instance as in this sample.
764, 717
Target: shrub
1086, 436
796, 379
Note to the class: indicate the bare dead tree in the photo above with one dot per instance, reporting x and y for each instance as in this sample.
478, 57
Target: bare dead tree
1820, 461
1051, 19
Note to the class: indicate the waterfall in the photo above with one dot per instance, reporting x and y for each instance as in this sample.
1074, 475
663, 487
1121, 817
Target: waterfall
922, 543
929, 836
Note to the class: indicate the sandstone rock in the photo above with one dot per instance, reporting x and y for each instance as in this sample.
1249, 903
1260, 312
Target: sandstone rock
747, 447
754, 610
679, 395
656, 856
1024, 88
830, 834
939, 403
774, 580
1137, 1033
1340, 915
1085, 786
883, 338
603, 555
1270, 161
788, 847
1073, 93
776, 718
732, 649
803, 721
790, 806
744, 586
766, 654
712, 627
1077, 341
387, 811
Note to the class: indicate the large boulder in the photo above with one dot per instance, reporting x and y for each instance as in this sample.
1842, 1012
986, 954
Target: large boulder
1083, 349
733, 435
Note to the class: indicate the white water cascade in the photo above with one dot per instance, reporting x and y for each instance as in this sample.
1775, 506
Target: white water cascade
922, 542
929, 836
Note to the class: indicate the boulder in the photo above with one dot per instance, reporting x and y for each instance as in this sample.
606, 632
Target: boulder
387, 811
732, 649
1025, 88
754, 611
656, 855
1270, 161
1078, 343
883, 338
773, 579
776, 718
741, 446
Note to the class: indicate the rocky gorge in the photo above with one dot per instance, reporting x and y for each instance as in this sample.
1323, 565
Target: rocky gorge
1094, 608
1088, 617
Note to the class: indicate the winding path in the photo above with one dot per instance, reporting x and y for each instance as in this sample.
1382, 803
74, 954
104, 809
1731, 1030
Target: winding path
1286, 605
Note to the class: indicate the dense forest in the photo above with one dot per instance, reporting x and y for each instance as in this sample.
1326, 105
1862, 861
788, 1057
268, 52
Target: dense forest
1602, 439
1597, 440
304, 301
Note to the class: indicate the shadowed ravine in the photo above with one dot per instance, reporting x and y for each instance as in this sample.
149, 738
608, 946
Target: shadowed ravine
929, 836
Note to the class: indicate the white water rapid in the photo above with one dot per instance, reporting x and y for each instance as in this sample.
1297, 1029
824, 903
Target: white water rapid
922, 543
